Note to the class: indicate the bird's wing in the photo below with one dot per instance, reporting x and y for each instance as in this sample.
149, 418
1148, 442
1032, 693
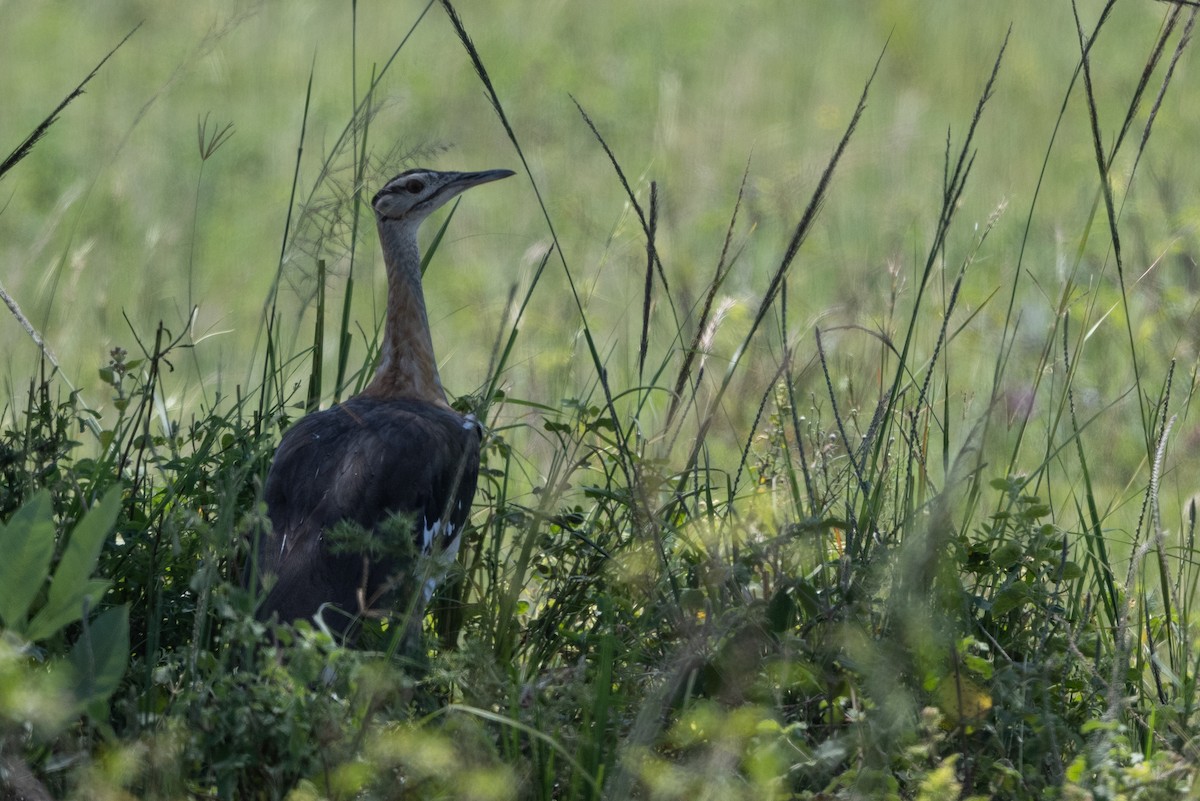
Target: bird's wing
365, 461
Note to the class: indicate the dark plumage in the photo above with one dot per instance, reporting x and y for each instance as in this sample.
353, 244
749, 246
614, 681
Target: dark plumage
363, 461
397, 449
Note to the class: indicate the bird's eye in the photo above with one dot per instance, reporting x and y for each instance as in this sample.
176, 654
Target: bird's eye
414, 186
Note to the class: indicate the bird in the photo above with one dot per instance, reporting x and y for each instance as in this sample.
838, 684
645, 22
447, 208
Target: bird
396, 451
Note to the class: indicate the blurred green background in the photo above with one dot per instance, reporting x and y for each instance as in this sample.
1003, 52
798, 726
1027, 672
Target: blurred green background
113, 214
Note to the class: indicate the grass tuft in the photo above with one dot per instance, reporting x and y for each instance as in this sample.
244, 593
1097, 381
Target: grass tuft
896, 550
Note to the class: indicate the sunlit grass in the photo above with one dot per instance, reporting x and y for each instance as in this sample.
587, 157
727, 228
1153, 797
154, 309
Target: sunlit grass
898, 509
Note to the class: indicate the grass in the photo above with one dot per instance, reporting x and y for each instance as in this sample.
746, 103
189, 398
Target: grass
856, 478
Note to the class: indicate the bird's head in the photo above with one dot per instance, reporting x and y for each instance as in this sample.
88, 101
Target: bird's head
412, 195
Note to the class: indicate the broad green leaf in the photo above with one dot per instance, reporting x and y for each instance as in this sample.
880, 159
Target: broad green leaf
1010, 598
1071, 571
1008, 554
100, 657
1035, 511
67, 609
978, 665
28, 542
71, 585
1007, 484
83, 549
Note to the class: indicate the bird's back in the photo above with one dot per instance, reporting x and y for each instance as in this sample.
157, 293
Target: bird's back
364, 462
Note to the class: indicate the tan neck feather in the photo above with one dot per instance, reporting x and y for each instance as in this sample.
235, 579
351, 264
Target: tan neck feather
407, 368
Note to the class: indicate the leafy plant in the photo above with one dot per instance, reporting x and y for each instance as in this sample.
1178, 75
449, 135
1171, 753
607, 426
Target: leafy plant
95, 664
700, 566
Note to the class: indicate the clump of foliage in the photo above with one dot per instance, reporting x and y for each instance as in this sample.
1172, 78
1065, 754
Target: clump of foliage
828, 603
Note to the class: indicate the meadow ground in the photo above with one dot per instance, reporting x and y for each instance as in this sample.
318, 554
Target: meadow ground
906, 510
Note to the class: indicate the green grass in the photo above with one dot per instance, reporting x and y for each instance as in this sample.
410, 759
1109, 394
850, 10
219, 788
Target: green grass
833, 452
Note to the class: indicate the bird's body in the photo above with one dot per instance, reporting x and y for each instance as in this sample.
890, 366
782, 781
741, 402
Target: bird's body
362, 462
397, 450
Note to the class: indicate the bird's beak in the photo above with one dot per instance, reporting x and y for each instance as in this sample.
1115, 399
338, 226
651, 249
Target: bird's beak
465, 180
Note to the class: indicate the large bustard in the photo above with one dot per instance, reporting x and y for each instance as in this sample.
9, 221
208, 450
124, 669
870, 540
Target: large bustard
395, 449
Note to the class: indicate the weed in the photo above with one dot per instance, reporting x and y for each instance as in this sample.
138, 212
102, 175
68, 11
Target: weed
699, 566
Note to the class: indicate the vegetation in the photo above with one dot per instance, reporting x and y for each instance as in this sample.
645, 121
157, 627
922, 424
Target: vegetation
935, 543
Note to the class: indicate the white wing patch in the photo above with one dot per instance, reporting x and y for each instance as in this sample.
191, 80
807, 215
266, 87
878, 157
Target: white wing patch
429, 535
446, 538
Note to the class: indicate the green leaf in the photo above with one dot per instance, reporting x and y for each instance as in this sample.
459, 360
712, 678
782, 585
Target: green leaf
66, 608
1008, 554
1008, 484
83, 549
978, 665
1035, 511
71, 591
1071, 571
100, 657
29, 544
1010, 598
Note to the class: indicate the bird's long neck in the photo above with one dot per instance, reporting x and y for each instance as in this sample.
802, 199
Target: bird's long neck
407, 368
